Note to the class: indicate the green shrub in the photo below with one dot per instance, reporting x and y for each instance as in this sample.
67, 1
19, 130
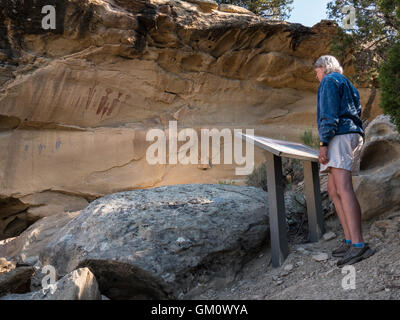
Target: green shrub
258, 178
227, 182
308, 139
292, 172
389, 79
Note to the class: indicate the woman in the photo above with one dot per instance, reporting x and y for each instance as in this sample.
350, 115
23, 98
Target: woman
341, 139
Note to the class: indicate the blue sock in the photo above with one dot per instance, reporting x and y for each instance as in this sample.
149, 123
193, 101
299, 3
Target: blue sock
358, 245
348, 241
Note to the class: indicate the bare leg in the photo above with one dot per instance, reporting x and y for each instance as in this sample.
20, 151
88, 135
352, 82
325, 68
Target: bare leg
351, 207
338, 205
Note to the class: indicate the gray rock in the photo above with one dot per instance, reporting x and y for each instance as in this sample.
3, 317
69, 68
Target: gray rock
378, 186
23, 296
288, 267
16, 281
80, 284
77, 285
329, 236
299, 263
224, 7
329, 272
320, 257
24, 249
206, 5
157, 243
301, 250
37, 276
5, 265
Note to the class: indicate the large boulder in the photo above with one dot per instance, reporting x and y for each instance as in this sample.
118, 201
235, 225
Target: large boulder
378, 185
160, 243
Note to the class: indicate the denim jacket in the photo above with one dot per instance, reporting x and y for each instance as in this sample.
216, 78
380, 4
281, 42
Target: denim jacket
338, 107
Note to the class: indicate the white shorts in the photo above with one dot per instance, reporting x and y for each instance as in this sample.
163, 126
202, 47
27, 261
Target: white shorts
344, 152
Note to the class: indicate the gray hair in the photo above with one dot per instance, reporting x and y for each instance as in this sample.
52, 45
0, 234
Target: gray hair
330, 63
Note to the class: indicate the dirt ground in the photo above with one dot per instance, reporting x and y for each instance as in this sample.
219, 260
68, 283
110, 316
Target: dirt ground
302, 277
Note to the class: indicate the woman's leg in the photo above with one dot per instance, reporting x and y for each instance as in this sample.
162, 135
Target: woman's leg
349, 203
338, 205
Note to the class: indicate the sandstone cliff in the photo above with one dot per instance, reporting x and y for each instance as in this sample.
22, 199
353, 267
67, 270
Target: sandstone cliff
76, 101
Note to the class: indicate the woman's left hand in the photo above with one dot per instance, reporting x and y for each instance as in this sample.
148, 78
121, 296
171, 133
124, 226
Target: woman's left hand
323, 155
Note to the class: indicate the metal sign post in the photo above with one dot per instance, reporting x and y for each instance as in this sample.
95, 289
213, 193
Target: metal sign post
277, 218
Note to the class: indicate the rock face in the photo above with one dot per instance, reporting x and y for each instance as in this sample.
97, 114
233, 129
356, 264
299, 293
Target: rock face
5, 265
205, 5
378, 186
80, 284
233, 9
25, 248
17, 214
17, 280
160, 243
76, 101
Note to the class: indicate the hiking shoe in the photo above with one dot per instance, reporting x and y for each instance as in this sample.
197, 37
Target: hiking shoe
354, 255
341, 250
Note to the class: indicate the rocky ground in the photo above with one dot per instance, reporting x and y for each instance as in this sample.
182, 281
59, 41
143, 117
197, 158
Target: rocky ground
309, 272
302, 277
